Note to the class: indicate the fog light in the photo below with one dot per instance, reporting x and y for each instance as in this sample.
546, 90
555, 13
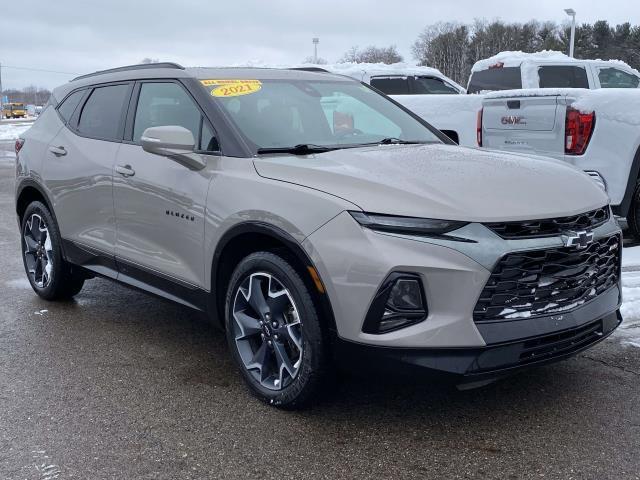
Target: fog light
399, 303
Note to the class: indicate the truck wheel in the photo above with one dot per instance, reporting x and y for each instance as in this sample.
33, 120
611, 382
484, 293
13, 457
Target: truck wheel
633, 216
274, 332
50, 276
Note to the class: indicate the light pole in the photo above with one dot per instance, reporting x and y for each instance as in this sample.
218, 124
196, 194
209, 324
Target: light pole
315, 41
572, 13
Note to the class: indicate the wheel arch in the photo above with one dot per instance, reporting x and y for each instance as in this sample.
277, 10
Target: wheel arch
30, 191
634, 176
248, 237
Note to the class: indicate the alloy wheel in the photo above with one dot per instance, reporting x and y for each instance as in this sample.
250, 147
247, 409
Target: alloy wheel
38, 253
267, 330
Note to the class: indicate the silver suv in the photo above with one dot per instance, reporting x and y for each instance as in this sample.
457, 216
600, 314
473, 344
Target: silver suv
318, 222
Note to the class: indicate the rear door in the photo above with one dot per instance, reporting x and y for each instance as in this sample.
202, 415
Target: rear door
160, 204
79, 165
529, 124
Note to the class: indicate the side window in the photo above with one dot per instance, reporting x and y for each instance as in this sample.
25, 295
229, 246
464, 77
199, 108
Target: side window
563, 76
431, 85
163, 104
495, 78
102, 112
68, 106
614, 78
391, 85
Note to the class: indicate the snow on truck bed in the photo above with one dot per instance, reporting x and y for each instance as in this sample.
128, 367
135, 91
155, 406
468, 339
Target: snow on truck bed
614, 104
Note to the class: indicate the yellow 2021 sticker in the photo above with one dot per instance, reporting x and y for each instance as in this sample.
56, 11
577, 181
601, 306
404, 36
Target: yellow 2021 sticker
232, 88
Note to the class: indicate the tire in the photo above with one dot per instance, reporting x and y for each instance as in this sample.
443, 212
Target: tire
285, 365
49, 274
633, 216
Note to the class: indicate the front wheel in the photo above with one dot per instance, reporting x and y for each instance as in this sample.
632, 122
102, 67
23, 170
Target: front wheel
50, 276
274, 332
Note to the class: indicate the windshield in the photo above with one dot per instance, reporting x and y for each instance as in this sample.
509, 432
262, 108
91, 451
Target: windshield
335, 114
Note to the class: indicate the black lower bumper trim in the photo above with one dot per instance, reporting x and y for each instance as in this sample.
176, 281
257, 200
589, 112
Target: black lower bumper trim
475, 364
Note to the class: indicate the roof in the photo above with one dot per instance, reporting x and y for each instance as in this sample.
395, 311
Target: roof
172, 70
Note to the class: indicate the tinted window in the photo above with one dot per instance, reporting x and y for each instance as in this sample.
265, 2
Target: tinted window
432, 85
391, 85
68, 106
502, 78
102, 112
563, 76
164, 104
614, 78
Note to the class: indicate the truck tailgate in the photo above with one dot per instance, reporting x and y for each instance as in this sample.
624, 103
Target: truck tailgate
523, 123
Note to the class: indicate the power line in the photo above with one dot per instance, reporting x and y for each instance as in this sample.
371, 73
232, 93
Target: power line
39, 70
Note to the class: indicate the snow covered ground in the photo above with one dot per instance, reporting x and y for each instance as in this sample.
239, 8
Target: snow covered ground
629, 331
11, 131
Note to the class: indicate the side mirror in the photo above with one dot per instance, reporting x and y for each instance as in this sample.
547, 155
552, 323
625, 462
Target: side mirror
174, 142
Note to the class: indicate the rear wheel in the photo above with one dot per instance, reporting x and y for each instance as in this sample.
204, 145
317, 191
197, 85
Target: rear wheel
633, 217
274, 332
50, 276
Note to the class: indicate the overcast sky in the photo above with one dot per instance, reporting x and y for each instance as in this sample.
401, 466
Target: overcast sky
83, 36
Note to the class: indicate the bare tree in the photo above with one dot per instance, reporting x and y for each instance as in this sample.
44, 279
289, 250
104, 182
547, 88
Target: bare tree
372, 54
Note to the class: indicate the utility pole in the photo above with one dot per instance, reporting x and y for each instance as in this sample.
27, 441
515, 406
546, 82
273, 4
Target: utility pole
572, 13
316, 41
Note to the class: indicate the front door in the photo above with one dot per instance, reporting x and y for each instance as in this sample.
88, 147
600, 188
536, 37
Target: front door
160, 204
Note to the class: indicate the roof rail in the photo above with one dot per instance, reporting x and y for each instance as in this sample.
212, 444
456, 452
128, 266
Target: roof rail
141, 66
310, 69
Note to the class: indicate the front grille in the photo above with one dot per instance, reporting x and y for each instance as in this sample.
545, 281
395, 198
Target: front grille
546, 282
550, 227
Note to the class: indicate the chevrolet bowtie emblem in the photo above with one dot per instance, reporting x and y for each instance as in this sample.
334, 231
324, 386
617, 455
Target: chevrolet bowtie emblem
579, 240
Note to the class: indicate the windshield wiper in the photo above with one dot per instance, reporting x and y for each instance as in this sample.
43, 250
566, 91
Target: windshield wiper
300, 149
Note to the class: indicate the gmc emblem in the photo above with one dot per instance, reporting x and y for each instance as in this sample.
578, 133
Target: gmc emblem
513, 120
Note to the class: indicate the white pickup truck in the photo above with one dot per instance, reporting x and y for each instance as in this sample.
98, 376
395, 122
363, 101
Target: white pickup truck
584, 112
598, 131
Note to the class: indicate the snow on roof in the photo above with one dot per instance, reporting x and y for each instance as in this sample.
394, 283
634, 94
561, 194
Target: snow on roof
517, 58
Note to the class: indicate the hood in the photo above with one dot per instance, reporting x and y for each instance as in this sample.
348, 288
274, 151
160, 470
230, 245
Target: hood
442, 181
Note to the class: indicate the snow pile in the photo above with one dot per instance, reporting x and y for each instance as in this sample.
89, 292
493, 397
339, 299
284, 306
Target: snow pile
629, 332
12, 131
615, 104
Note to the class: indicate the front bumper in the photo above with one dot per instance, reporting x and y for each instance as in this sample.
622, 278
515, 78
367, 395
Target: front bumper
481, 364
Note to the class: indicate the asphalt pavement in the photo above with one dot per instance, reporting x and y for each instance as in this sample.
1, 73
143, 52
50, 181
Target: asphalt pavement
120, 385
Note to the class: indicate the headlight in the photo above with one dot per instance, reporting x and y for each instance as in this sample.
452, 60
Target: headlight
406, 225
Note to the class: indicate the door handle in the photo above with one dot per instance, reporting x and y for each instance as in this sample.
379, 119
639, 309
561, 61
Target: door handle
125, 170
58, 151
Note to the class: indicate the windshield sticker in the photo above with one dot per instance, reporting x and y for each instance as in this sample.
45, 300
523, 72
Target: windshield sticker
232, 88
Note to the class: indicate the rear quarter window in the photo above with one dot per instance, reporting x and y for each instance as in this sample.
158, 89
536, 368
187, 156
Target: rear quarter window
69, 105
563, 76
501, 78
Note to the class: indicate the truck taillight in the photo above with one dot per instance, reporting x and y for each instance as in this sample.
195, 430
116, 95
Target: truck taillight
19, 144
479, 128
577, 131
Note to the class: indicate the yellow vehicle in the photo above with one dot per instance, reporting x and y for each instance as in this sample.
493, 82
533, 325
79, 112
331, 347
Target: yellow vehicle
14, 110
